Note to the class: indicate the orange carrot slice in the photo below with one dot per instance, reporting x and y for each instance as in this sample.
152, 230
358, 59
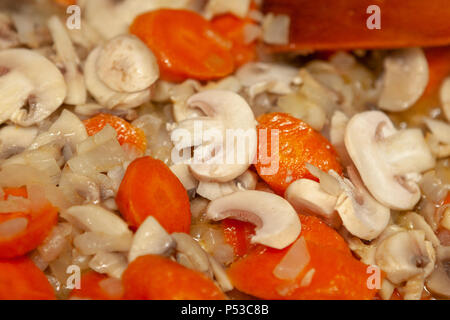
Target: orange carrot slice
324, 24
233, 29
91, 288
38, 228
299, 144
20, 279
185, 44
126, 132
154, 277
149, 188
337, 275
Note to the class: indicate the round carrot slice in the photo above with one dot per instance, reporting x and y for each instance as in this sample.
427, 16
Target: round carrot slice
233, 29
126, 132
39, 226
154, 277
92, 286
336, 274
185, 44
149, 188
298, 144
21, 279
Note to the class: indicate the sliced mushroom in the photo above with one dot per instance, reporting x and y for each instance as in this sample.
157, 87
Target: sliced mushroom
274, 78
226, 148
445, 97
14, 139
150, 238
404, 81
388, 160
214, 190
439, 281
306, 196
197, 258
76, 89
338, 125
182, 172
277, 223
405, 254
28, 80
94, 218
122, 63
440, 129
417, 222
9, 37
361, 214
127, 65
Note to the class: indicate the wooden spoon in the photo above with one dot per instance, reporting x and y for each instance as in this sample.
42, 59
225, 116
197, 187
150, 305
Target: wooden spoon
342, 24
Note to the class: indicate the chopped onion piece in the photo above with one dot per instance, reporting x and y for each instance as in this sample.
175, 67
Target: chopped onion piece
295, 260
276, 29
12, 227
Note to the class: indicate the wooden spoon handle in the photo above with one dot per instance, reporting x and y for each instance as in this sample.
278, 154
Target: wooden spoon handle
342, 24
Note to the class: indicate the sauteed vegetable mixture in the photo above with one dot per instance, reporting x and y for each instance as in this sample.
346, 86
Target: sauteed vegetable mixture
186, 149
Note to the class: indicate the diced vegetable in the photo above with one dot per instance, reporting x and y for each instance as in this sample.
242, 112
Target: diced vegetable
126, 132
337, 274
185, 44
299, 144
41, 220
149, 188
21, 279
154, 277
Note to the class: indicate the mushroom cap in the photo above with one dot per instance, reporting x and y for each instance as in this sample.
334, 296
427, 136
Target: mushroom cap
126, 64
404, 255
277, 223
364, 137
229, 113
30, 79
405, 79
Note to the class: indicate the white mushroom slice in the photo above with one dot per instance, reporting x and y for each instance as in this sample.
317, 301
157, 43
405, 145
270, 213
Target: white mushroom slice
190, 248
14, 139
440, 130
96, 219
105, 95
150, 238
67, 127
405, 79
29, 80
274, 78
439, 281
445, 97
221, 275
361, 215
112, 264
214, 190
76, 89
236, 7
416, 221
404, 255
182, 172
337, 136
306, 196
387, 159
90, 243
126, 64
277, 223
9, 38
226, 150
